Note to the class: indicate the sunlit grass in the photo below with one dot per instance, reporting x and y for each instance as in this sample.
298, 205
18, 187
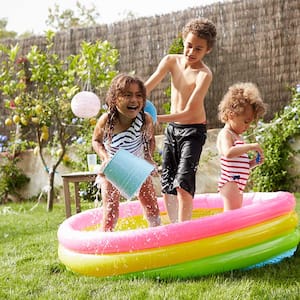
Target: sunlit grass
30, 269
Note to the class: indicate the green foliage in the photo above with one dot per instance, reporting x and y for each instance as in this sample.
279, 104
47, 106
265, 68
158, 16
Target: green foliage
95, 73
95, 65
276, 139
157, 157
12, 179
167, 106
82, 17
89, 192
27, 81
175, 48
39, 87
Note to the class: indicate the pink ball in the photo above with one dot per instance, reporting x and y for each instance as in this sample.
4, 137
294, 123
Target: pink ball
85, 104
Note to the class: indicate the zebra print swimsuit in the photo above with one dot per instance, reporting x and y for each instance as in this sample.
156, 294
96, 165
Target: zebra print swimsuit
130, 139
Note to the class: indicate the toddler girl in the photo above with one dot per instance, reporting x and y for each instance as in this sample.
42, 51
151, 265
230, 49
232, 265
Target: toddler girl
241, 106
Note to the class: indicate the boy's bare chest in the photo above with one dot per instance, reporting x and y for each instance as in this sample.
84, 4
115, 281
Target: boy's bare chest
184, 78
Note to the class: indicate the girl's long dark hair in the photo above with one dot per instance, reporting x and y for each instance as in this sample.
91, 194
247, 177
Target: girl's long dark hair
118, 88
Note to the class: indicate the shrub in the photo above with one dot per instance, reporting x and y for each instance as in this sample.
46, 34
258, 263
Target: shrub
175, 48
276, 139
12, 179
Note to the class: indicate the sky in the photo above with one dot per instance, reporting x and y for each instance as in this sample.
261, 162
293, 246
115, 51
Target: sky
30, 15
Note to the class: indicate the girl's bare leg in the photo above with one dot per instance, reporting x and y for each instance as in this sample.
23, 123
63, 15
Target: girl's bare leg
149, 202
110, 198
231, 195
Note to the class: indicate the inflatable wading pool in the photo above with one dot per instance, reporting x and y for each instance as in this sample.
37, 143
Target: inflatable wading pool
263, 231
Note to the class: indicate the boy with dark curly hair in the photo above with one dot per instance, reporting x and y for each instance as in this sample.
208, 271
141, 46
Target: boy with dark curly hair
186, 133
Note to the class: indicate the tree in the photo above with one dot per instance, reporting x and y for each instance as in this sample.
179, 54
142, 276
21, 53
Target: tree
4, 33
39, 87
61, 20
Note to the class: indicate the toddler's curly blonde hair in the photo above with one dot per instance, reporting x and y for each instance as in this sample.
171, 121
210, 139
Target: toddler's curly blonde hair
239, 96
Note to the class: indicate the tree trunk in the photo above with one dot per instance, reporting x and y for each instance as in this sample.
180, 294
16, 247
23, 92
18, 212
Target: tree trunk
50, 198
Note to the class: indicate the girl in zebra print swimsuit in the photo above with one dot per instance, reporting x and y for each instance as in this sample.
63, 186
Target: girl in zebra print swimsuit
125, 126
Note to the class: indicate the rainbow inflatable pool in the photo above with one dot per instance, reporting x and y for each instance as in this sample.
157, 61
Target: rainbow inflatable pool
264, 230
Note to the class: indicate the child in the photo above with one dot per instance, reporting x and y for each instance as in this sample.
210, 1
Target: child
125, 126
186, 134
241, 106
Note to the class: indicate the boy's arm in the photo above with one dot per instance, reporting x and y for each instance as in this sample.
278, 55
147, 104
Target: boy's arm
150, 134
159, 74
151, 143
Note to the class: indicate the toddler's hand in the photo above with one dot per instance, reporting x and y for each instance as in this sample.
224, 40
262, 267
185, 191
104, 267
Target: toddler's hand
258, 160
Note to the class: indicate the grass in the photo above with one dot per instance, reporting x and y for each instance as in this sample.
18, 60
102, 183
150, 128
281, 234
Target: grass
30, 269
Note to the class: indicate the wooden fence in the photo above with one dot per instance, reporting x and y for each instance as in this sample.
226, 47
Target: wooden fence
258, 41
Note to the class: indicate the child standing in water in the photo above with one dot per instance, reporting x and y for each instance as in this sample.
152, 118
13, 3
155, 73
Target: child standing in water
186, 132
241, 106
125, 126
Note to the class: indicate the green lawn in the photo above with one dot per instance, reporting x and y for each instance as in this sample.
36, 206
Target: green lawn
30, 269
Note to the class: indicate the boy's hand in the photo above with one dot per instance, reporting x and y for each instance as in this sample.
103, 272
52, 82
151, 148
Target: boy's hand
152, 162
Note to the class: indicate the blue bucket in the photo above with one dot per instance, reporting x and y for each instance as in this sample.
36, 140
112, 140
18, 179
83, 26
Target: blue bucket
127, 172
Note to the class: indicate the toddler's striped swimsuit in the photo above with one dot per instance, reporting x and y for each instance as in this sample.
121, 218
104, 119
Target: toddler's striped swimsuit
235, 169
